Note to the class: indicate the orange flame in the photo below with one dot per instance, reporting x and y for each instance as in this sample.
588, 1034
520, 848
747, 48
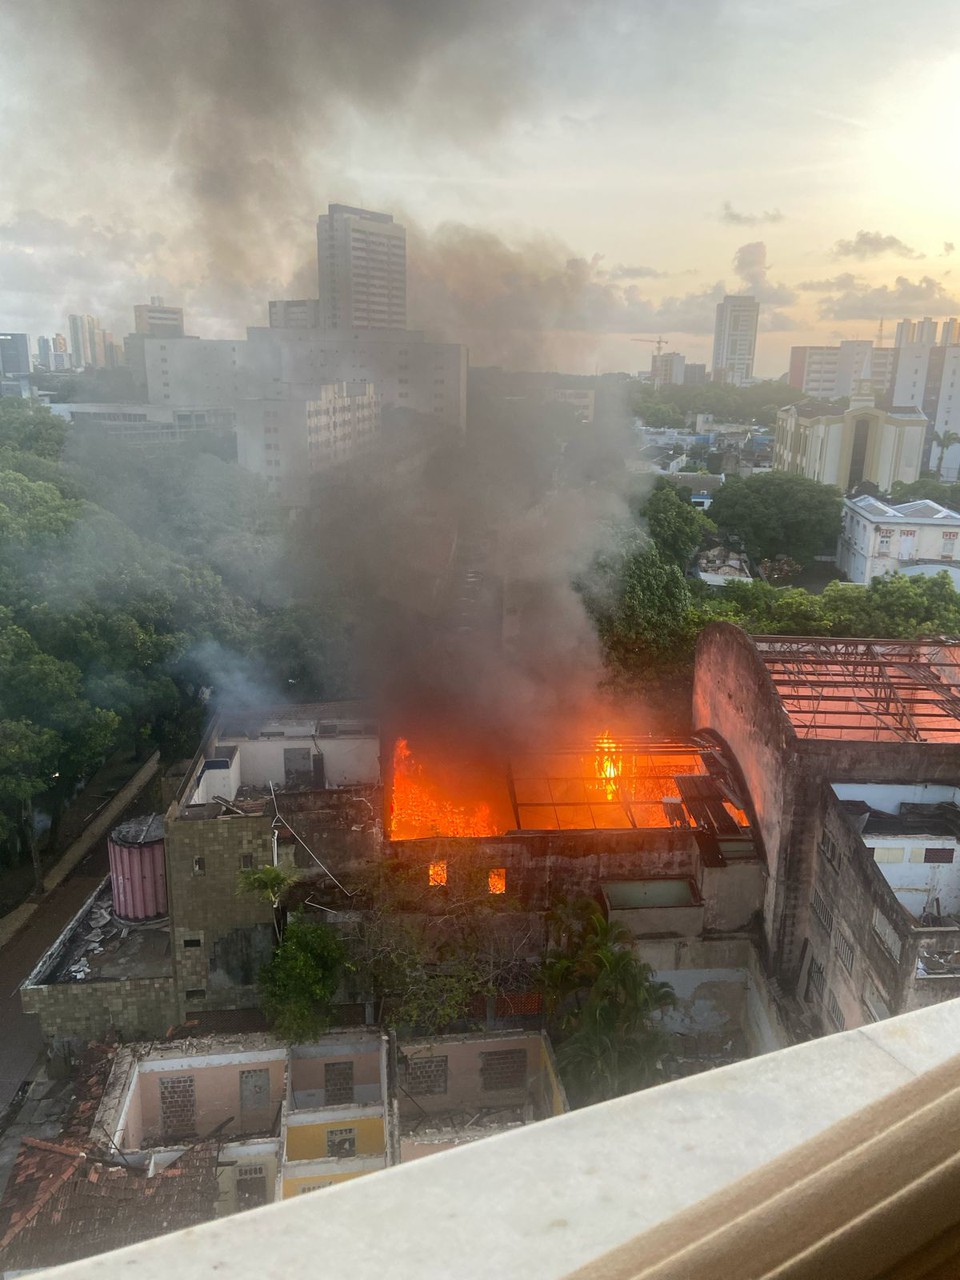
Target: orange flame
418, 811
609, 765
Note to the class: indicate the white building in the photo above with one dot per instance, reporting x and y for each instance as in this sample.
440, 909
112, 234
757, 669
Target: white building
146, 424
294, 313
288, 441
831, 372
362, 269
877, 538
735, 339
950, 332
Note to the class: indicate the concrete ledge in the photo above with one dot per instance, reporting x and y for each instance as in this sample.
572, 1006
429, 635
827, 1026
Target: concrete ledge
14, 920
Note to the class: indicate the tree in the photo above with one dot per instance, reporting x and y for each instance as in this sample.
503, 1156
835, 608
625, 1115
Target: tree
29, 426
676, 526
270, 884
298, 985
775, 514
641, 607
944, 440
603, 1002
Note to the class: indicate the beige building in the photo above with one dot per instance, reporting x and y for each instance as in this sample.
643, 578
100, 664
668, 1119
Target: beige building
735, 339
914, 537
845, 448
154, 320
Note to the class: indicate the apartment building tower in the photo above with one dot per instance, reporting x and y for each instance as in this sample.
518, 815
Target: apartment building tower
735, 339
362, 269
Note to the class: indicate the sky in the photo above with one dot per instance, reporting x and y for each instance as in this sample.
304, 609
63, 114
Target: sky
572, 175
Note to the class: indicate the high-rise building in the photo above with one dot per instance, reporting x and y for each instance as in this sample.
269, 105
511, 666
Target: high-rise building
926, 331
157, 321
694, 375
666, 370
60, 344
362, 269
44, 352
906, 329
831, 372
14, 355
950, 332
735, 339
79, 341
294, 313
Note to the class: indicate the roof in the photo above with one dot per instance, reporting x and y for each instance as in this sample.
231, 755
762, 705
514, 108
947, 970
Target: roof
920, 509
147, 829
66, 1200
866, 690
63, 1203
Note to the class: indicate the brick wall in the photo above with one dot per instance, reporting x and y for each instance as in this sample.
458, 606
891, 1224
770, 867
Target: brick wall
136, 1008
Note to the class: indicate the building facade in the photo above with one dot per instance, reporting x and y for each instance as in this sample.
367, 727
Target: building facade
362, 269
878, 538
154, 320
294, 313
667, 369
847, 447
735, 339
14, 355
828, 373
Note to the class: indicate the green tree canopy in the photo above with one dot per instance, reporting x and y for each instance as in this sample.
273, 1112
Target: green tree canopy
298, 985
775, 514
676, 526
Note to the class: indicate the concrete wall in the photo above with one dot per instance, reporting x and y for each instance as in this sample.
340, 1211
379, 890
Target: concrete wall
307, 1070
464, 1084
216, 1090
347, 761
306, 1136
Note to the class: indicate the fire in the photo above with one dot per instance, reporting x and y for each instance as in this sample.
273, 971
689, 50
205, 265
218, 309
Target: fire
609, 765
418, 808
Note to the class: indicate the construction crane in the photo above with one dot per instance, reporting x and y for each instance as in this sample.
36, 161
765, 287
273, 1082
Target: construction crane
659, 343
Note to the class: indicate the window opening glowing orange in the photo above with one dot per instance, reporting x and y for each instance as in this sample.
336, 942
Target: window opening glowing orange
497, 880
438, 874
609, 765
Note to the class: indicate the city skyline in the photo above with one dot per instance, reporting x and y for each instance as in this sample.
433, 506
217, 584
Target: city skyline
633, 172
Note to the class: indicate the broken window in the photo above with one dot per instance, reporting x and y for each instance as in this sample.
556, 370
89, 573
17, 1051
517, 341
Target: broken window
426, 1075
337, 1082
437, 877
341, 1142
497, 880
199, 866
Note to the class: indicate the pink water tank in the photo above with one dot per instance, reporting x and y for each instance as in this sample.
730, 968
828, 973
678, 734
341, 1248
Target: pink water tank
138, 872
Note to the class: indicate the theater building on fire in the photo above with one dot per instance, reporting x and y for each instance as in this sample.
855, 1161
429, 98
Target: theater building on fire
790, 868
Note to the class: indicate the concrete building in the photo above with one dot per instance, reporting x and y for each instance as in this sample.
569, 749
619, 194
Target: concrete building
147, 424
288, 441
846, 447
877, 538
850, 751
88, 342
926, 331
829, 373
735, 339
950, 332
694, 375
906, 333
14, 355
362, 269
667, 369
581, 399
154, 320
295, 313
44, 352
428, 379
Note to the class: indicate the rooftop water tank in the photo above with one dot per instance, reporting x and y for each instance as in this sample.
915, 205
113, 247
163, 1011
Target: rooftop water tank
138, 873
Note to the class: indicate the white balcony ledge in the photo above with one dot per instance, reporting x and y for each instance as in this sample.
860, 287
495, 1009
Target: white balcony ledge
541, 1201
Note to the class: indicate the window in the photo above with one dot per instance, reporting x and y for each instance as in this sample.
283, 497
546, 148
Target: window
822, 911
886, 933
426, 1075
497, 880
191, 942
341, 1142
815, 979
503, 1069
437, 875
337, 1083
938, 855
835, 1012
829, 849
246, 862
196, 993
199, 866
844, 949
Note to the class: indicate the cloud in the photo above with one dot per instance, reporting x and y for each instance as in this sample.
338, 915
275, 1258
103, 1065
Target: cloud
636, 273
846, 280
872, 244
750, 264
904, 297
778, 322
734, 218
948, 248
